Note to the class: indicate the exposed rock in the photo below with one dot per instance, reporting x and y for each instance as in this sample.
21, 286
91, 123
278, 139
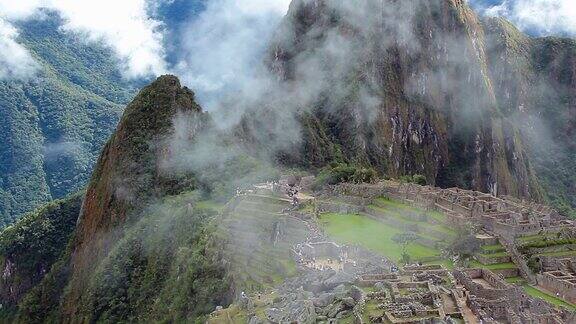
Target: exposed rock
338, 279
401, 101
128, 173
324, 300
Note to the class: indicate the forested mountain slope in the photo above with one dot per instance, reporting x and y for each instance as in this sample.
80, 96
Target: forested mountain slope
449, 96
54, 124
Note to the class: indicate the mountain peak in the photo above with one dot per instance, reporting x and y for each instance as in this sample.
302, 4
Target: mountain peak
127, 173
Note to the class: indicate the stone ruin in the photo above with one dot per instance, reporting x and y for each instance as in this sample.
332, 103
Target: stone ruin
561, 283
331, 256
493, 300
414, 295
503, 216
322, 256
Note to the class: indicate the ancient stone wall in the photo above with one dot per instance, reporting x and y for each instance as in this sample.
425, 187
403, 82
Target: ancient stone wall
561, 283
503, 216
505, 301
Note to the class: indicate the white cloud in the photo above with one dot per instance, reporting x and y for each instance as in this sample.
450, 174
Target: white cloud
123, 25
223, 46
19, 9
15, 61
543, 17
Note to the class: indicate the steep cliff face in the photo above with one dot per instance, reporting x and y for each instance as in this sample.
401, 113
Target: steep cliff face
128, 175
535, 82
404, 86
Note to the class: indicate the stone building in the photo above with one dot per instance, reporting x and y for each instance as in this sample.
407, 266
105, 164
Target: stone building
503, 216
492, 299
560, 282
416, 294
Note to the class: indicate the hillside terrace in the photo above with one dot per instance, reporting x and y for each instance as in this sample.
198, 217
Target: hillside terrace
500, 215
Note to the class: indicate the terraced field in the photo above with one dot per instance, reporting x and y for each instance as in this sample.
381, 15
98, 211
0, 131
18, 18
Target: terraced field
496, 258
386, 218
535, 292
371, 234
259, 239
550, 246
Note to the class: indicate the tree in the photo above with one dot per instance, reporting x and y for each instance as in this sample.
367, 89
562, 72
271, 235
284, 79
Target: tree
465, 244
404, 240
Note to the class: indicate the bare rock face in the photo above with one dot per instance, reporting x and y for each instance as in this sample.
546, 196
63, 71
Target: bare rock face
403, 86
129, 174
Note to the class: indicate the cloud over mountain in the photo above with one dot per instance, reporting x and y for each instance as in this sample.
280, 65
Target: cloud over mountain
223, 45
124, 26
15, 61
539, 17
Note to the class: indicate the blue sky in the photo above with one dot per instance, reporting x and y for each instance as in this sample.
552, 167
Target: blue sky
534, 17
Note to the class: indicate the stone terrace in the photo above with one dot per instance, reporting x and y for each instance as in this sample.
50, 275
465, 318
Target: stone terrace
494, 300
413, 295
561, 283
503, 216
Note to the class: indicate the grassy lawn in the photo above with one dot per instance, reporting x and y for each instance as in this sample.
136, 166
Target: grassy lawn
495, 254
558, 253
498, 266
396, 204
514, 280
393, 214
529, 238
210, 204
399, 217
399, 205
371, 234
446, 263
534, 292
497, 247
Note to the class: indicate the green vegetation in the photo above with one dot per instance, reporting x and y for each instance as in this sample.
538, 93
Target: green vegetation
464, 245
55, 125
395, 217
546, 243
558, 253
162, 270
515, 280
33, 244
416, 178
340, 172
220, 180
404, 240
493, 248
535, 292
210, 205
245, 236
374, 235
393, 204
498, 266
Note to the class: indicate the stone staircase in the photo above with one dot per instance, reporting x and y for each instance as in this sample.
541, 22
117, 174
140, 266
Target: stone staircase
519, 261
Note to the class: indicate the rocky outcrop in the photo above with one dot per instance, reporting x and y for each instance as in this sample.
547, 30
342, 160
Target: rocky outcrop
129, 174
404, 86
